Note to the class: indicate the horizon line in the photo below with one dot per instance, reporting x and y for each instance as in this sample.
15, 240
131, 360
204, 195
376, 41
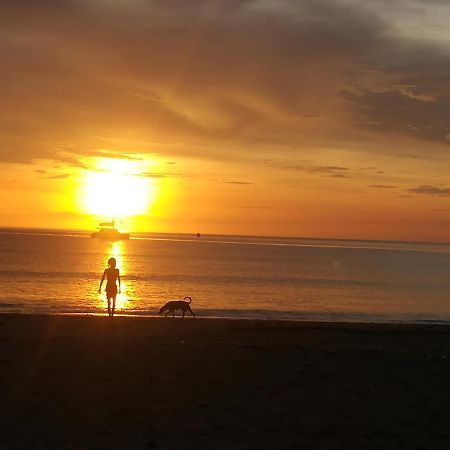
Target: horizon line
311, 238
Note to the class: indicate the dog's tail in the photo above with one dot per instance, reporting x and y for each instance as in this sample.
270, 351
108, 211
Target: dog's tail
190, 299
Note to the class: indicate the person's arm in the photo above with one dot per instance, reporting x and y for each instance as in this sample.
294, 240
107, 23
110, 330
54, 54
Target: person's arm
118, 278
101, 282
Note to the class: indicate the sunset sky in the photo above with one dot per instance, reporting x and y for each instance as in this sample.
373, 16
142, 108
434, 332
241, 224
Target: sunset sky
326, 118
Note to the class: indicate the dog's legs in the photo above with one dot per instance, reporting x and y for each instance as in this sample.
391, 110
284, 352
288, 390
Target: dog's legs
184, 312
173, 314
165, 315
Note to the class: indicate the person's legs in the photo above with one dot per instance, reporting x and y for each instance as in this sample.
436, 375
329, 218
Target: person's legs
113, 305
109, 306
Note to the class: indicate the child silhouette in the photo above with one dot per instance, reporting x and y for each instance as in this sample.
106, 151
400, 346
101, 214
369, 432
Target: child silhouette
112, 275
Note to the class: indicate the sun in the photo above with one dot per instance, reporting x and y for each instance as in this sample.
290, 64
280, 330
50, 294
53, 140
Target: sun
117, 188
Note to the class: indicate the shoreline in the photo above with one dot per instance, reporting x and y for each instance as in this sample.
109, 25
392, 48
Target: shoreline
268, 320
74, 382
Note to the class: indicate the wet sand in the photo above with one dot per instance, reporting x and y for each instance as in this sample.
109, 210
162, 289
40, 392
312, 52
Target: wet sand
73, 382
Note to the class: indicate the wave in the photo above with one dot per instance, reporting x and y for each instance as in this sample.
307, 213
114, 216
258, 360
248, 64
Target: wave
247, 314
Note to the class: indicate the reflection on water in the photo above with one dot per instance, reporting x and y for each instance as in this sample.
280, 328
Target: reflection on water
61, 273
117, 250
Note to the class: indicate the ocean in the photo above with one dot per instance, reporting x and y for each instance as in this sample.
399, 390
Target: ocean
51, 272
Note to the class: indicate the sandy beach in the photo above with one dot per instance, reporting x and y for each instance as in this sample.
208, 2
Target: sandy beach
84, 382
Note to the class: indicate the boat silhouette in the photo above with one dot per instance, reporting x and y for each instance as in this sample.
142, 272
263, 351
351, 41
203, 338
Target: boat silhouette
108, 232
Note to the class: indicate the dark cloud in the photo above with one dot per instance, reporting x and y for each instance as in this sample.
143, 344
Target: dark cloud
381, 186
108, 154
142, 77
238, 182
339, 175
315, 169
395, 112
152, 175
70, 160
330, 171
431, 190
256, 207
57, 177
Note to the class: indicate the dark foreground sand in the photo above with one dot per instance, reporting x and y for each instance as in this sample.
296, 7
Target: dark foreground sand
91, 382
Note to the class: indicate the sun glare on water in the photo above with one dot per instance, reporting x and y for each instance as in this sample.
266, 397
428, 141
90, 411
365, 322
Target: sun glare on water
116, 188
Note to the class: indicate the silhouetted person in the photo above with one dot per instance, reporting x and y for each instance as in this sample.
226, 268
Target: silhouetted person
112, 275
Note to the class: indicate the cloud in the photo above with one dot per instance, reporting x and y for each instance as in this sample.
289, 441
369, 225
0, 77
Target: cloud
68, 159
108, 154
431, 190
215, 79
394, 112
151, 175
381, 186
57, 177
238, 182
256, 207
329, 171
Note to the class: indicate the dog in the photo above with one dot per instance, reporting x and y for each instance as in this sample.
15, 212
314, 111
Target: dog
177, 305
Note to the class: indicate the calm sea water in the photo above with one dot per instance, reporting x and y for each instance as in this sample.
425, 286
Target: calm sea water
304, 279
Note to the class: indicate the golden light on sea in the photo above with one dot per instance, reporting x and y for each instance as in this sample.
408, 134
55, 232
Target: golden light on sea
117, 188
